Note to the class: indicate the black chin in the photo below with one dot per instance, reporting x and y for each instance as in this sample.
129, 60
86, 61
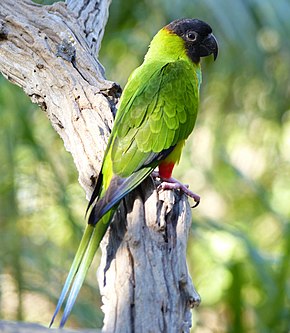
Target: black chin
193, 56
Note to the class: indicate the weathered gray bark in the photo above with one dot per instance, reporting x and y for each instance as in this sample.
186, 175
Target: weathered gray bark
143, 277
44, 50
50, 51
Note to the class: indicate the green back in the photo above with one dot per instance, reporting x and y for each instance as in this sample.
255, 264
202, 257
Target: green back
158, 110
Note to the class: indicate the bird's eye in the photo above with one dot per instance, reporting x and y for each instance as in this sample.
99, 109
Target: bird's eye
191, 36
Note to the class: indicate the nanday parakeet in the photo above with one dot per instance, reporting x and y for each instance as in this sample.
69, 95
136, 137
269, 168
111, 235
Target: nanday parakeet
156, 114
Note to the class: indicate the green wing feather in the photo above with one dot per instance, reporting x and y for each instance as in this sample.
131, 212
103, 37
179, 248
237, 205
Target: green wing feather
158, 109
155, 116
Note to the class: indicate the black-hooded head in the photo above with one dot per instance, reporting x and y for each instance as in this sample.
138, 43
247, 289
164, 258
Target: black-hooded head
198, 38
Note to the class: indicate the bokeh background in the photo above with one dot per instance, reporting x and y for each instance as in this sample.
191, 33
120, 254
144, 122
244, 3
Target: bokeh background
237, 159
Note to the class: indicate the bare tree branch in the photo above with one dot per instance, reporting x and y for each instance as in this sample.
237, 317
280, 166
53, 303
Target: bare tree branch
143, 275
44, 50
89, 13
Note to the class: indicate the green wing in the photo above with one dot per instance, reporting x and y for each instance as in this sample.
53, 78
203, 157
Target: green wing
158, 109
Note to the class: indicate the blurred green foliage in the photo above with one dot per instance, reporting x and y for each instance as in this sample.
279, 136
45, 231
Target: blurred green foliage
237, 159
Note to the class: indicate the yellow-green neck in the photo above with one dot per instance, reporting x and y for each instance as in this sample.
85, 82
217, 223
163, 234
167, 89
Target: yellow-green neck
166, 47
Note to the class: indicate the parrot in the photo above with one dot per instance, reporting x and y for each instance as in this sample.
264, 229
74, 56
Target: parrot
156, 114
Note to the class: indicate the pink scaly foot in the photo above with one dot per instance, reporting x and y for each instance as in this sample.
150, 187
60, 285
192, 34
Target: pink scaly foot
173, 184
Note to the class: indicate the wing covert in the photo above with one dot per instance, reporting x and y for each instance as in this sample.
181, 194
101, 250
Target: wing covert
158, 109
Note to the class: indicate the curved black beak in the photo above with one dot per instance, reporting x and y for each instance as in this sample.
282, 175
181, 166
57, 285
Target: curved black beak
209, 46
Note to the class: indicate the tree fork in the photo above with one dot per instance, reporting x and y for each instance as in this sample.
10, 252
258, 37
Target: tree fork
51, 53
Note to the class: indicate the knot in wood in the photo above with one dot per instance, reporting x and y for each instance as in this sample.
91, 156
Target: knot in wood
3, 31
66, 50
113, 93
193, 302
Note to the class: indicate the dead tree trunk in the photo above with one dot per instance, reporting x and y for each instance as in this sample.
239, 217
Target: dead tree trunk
51, 52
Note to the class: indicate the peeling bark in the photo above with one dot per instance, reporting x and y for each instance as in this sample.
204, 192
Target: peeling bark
50, 51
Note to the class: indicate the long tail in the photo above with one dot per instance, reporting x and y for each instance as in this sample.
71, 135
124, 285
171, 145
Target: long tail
100, 215
89, 244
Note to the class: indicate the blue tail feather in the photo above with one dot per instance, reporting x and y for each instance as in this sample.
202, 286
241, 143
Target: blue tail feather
73, 270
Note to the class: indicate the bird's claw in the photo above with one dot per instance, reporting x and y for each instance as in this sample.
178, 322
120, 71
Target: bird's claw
173, 184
